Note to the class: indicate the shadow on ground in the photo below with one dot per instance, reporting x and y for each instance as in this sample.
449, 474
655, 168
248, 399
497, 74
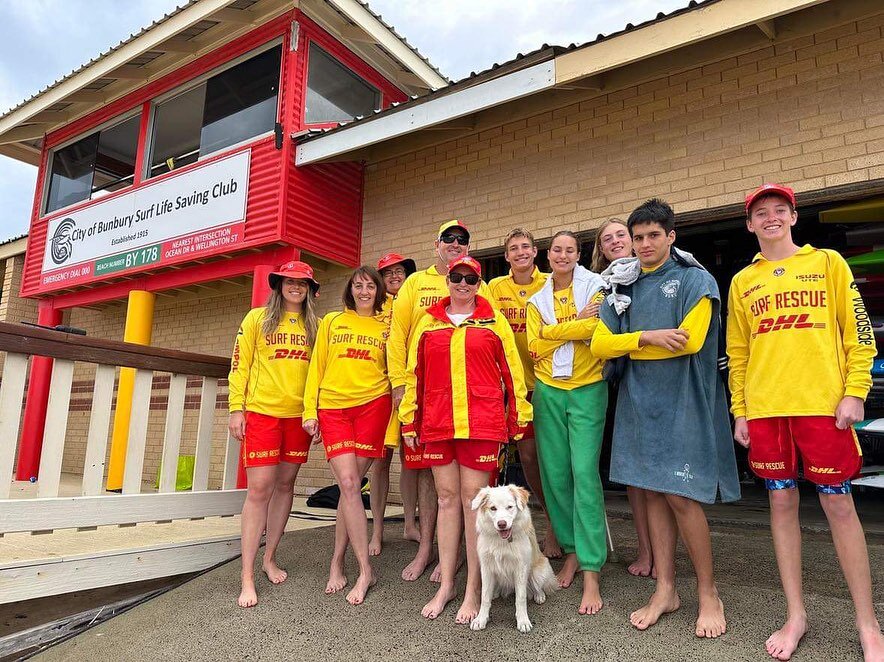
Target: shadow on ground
200, 621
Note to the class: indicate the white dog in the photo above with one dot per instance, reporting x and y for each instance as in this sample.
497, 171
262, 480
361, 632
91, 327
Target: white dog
509, 556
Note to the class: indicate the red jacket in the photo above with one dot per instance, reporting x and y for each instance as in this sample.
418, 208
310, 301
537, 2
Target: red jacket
459, 378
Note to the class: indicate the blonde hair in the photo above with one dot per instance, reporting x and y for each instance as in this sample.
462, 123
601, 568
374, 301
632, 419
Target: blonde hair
518, 232
275, 309
599, 261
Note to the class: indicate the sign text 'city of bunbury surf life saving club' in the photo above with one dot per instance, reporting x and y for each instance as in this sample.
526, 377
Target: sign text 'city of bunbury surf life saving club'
199, 212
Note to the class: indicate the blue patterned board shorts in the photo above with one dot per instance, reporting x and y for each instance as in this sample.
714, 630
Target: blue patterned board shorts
791, 484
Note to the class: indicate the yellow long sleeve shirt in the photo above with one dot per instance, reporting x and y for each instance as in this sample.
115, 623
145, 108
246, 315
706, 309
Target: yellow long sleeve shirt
268, 372
545, 339
608, 345
349, 365
419, 291
799, 338
511, 299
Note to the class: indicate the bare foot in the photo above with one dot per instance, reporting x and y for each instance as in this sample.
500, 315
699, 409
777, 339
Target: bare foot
663, 601
436, 575
566, 574
374, 546
356, 596
872, 643
591, 603
782, 643
416, 568
411, 532
710, 619
248, 597
337, 580
274, 573
436, 606
551, 549
641, 567
469, 608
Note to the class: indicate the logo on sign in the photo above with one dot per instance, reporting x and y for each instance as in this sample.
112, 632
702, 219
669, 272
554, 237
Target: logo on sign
62, 241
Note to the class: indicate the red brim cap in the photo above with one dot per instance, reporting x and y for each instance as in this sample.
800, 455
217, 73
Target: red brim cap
390, 259
770, 189
466, 261
294, 269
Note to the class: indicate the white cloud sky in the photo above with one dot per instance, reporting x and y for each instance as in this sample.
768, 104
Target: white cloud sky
43, 40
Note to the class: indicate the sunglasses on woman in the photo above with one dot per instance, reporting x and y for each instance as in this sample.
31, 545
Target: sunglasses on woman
471, 279
451, 238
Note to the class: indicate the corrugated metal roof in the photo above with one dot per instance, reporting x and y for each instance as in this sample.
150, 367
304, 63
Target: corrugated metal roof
520, 61
242, 4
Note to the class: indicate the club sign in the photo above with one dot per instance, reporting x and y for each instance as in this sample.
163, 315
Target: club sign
181, 217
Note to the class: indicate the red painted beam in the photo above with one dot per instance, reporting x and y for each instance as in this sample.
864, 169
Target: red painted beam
35, 407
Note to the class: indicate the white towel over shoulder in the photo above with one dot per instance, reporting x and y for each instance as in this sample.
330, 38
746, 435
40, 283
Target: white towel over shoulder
586, 284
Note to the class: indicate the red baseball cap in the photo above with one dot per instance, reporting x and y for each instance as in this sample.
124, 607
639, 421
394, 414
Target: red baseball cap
466, 261
453, 224
390, 259
768, 189
294, 269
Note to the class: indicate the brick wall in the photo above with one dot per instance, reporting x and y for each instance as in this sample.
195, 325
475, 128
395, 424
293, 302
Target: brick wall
809, 112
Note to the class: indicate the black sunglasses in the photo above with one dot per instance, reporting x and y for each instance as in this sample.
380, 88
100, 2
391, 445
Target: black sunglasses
456, 277
451, 238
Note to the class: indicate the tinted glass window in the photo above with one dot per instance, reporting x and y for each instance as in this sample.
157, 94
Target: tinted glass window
176, 134
241, 102
93, 166
115, 161
70, 180
334, 93
226, 109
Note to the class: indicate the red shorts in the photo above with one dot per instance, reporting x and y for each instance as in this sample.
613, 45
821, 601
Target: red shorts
269, 440
478, 455
358, 430
412, 459
829, 455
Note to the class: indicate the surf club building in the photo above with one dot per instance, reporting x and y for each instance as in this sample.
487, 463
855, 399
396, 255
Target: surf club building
178, 168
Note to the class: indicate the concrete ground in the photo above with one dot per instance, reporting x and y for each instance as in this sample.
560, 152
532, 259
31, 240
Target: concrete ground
200, 620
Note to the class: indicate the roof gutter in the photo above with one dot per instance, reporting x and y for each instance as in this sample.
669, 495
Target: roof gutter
430, 112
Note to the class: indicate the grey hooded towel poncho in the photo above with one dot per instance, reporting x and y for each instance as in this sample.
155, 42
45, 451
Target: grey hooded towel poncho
672, 433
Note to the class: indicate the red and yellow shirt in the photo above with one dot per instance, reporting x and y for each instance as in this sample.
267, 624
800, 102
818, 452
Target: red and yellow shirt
419, 291
268, 371
799, 338
349, 364
460, 377
511, 299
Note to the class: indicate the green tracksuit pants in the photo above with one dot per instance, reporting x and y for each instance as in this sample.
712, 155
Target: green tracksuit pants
568, 427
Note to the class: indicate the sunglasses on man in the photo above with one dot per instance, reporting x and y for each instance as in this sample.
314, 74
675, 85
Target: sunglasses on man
455, 277
451, 238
